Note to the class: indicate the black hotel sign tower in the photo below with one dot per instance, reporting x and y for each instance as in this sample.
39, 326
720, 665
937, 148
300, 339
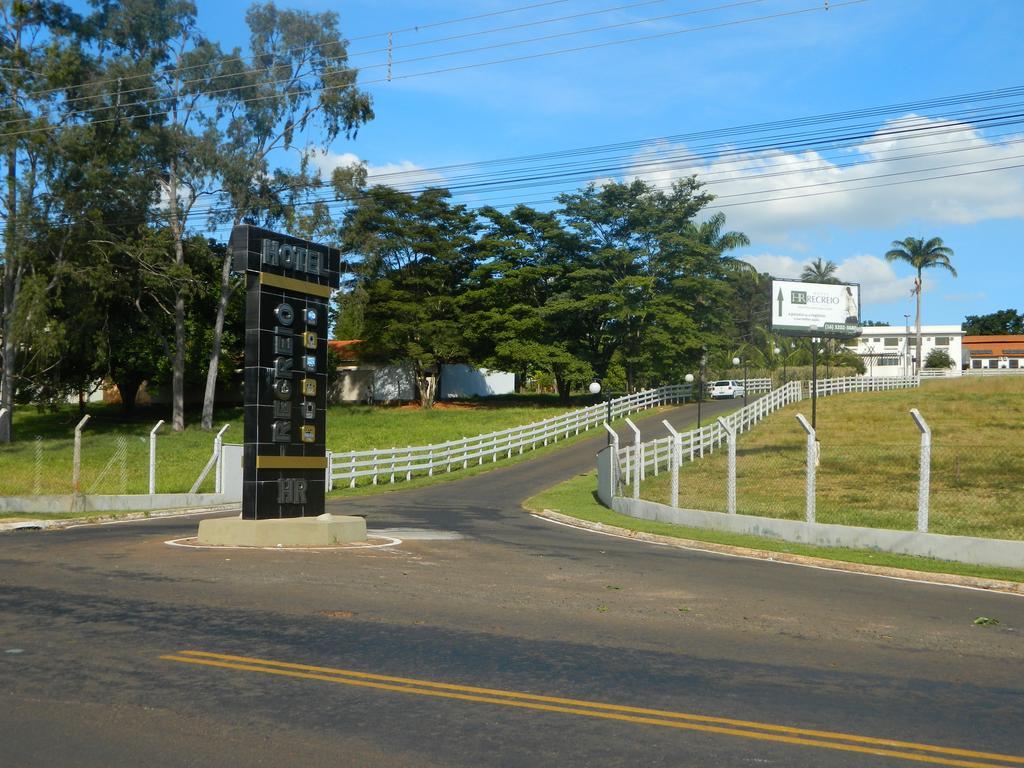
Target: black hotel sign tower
288, 283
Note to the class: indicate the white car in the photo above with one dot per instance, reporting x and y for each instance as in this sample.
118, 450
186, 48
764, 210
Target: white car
727, 388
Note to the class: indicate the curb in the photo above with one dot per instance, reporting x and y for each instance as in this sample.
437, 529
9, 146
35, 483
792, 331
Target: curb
29, 524
973, 582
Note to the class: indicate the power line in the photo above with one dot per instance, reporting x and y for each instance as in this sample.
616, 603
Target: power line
286, 51
721, 153
233, 74
464, 67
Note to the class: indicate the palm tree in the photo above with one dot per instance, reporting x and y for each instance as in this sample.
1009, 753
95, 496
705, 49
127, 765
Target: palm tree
920, 254
820, 271
709, 234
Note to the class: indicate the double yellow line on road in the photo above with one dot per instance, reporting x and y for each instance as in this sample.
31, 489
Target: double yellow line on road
904, 750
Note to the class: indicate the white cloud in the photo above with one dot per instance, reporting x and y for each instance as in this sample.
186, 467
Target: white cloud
777, 266
879, 283
403, 174
770, 175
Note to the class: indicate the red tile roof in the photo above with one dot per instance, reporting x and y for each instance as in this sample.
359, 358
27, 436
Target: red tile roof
345, 349
994, 346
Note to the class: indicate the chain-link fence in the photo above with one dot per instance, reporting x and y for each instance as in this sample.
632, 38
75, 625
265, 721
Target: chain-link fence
110, 462
973, 489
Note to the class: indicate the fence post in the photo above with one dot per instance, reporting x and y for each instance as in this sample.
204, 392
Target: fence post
730, 482
329, 476
122, 450
924, 484
638, 459
76, 458
812, 456
152, 457
214, 459
675, 458
37, 481
218, 475
615, 457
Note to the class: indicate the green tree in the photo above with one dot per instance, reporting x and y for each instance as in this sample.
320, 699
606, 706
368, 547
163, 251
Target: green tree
522, 257
921, 254
34, 39
413, 255
1003, 322
296, 89
820, 271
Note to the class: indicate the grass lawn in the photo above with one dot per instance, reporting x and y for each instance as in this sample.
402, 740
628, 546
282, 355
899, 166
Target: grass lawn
39, 461
868, 472
576, 498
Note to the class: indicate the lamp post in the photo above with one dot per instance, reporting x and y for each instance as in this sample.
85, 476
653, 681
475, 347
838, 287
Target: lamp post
595, 389
689, 380
736, 361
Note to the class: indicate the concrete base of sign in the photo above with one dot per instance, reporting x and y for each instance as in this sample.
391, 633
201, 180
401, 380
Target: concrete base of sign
327, 530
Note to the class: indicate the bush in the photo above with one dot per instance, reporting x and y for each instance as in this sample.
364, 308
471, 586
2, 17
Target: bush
938, 358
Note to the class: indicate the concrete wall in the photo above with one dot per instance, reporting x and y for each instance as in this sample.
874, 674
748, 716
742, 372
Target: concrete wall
964, 549
104, 503
374, 382
394, 382
459, 380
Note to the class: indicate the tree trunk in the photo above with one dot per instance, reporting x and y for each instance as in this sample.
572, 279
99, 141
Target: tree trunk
562, 388
178, 368
128, 388
178, 364
428, 387
917, 362
209, 394
10, 295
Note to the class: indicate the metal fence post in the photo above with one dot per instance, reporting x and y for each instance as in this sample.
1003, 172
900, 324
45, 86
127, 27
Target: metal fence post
37, 477
812, 456
638, 459
614, 437
675, 458
730, 483
218, 441
76, 458
152, 457
924, 484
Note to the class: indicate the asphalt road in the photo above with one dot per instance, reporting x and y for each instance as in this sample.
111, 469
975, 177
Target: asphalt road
488, 637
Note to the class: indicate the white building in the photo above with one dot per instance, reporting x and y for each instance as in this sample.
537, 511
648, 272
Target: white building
458, 380
890, 351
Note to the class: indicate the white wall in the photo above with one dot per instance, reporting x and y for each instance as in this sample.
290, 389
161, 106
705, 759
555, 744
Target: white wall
394, 382
466, 381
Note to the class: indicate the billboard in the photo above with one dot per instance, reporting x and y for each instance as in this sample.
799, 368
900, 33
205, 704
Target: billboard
815, 309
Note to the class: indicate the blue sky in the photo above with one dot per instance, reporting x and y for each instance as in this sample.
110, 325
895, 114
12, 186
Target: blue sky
862, 55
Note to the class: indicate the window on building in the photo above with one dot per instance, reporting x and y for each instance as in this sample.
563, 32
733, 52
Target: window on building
1015, 363
888, 360
942, 341
892, 342
976, 363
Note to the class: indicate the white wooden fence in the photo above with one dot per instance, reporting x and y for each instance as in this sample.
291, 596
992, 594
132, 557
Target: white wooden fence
396, 464
863, 384
658, 453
